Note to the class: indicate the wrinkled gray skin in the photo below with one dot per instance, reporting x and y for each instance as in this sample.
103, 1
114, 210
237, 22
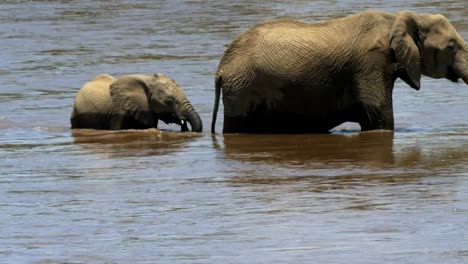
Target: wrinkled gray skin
133, 102
290, 77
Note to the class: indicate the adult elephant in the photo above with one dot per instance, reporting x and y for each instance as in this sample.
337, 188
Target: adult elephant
290, 77
133, 102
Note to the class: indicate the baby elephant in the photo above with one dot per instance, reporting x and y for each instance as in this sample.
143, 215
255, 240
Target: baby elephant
133, 102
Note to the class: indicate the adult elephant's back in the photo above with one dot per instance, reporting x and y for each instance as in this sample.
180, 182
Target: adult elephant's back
277, 78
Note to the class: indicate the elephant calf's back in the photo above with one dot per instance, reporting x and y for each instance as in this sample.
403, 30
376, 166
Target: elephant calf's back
92, 104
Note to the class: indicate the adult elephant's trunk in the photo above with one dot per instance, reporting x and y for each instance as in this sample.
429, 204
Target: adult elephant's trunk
192, 117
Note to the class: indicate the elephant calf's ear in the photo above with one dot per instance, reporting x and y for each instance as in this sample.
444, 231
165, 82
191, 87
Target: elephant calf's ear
406, 44
129, 95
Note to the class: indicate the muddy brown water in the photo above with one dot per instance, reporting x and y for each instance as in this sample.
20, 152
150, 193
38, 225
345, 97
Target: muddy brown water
149, 197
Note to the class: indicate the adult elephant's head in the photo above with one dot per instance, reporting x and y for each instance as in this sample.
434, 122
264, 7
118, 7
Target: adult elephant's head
428, 45
148, 98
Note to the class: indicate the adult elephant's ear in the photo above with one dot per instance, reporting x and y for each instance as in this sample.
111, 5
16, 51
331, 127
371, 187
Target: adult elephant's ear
406, 44
130, 95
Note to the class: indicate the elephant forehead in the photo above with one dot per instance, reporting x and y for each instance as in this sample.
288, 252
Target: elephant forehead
168, 85
439, 24
165, 80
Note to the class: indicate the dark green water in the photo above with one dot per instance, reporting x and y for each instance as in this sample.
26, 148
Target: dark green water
146, 197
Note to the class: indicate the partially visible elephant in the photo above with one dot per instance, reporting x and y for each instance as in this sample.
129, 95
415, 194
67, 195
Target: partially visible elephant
286, 76
133, 102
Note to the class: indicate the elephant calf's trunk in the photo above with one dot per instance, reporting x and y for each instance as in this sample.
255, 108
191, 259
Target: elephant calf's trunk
195, 122
193, 118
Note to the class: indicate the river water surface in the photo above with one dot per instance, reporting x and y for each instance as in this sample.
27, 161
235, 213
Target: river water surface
150, 197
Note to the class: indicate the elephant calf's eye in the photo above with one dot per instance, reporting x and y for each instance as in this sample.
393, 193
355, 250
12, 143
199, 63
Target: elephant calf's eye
169, 102
452, 46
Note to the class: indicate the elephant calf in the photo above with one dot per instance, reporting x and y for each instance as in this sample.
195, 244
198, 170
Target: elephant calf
133, 102
286, 76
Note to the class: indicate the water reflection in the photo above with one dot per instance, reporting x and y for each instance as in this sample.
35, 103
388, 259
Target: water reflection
373, 148
131, 143
367, 149
318, 163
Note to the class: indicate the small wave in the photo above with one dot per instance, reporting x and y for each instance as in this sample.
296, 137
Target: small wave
61, 52
5, 123
51, 129
429, 130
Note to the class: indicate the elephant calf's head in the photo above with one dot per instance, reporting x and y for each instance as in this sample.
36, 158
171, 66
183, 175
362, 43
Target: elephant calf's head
155, 97
171, 104
429, 45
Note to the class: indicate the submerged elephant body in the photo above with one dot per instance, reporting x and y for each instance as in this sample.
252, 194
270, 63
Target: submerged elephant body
290, 77
132, 102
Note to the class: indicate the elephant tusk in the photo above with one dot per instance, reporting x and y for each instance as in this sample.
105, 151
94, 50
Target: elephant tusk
183, 126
